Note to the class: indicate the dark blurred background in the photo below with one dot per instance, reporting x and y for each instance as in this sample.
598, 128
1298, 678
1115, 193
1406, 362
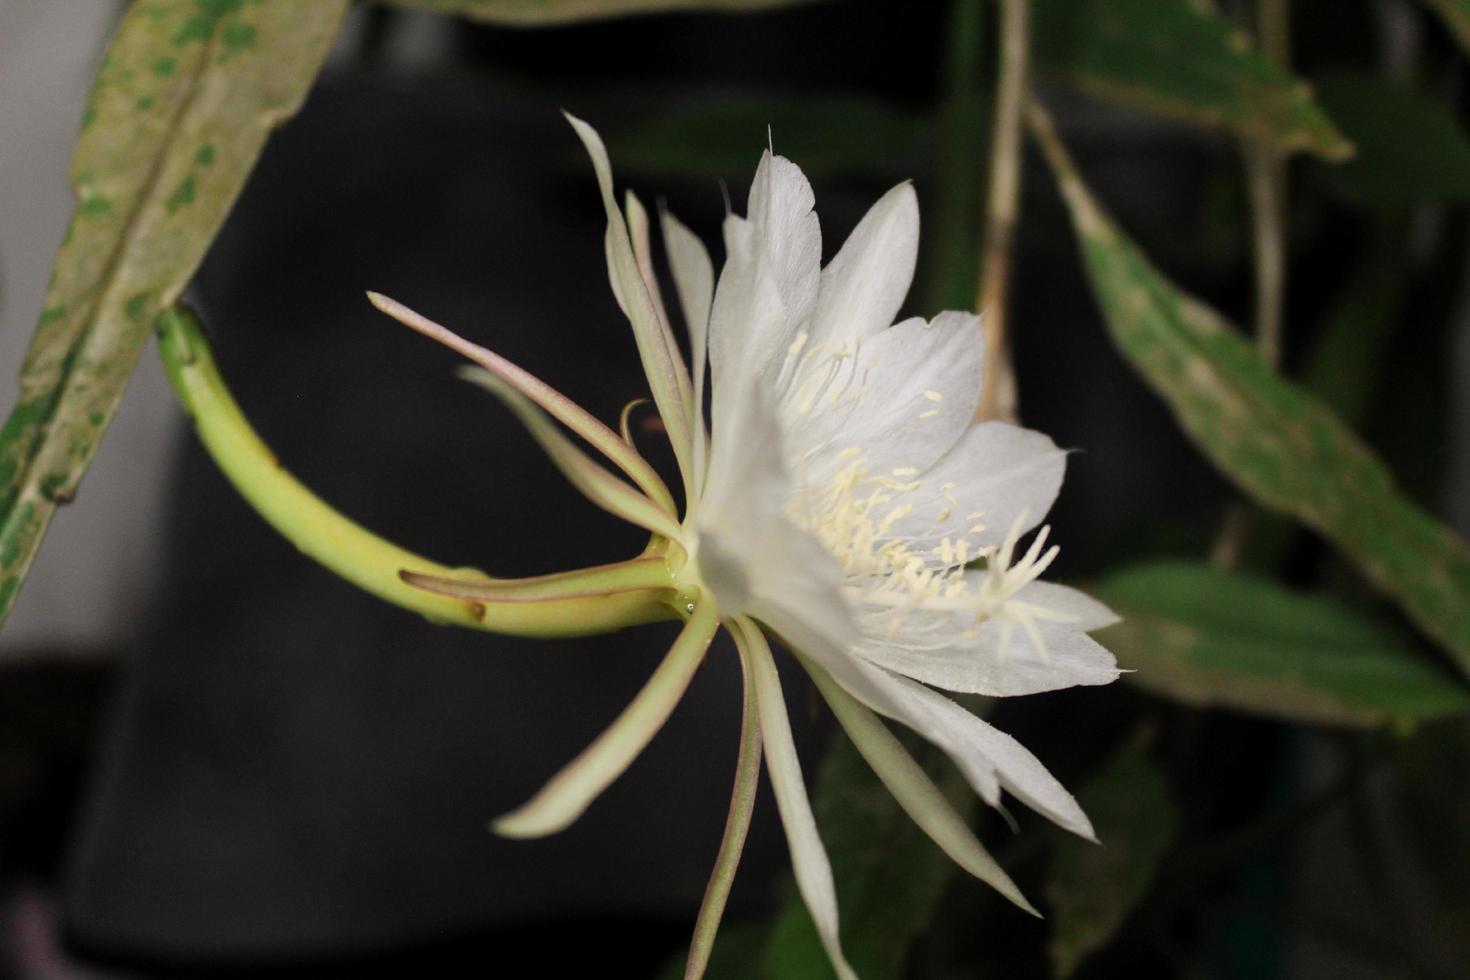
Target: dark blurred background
215, 757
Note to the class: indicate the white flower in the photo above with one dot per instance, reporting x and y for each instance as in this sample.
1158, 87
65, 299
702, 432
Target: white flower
842, 499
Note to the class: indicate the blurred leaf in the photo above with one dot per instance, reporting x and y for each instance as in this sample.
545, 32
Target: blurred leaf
182, 104
1409, 147
1214, 638
1274, 439
1179, 58
889, 874
1355, 333
1093, 887
531, 12
951, 270
830, 136
1456, 15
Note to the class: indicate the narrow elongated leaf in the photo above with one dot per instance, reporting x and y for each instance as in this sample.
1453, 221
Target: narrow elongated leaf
182, 104
1093, 887
1456, 16
1181, 59
1410, 148
1208, 637
1275, 440
529, 12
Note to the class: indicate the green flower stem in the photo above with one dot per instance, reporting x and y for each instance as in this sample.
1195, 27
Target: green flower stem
353, 552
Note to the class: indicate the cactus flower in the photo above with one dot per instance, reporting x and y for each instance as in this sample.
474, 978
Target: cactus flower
837, 495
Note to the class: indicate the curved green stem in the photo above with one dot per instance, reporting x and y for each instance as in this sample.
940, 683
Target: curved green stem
353, 552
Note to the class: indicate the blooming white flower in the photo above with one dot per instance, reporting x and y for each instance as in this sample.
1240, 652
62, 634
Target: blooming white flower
841, 498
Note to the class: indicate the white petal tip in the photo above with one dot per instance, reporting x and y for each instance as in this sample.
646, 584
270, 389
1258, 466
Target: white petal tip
521, 825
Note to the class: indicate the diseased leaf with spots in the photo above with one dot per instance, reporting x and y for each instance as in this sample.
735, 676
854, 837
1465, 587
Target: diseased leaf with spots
1213, 638
1181, 59
184, 98
1093, 887
1280, 444
557, 11
1456, 16
889, 874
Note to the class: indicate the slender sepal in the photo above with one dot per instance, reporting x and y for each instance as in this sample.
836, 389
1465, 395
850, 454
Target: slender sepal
737, 825
559, 406
587, 475
808, 856
660, 358
570, 791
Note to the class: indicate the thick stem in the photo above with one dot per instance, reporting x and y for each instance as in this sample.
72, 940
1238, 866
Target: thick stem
349, 550
998, 397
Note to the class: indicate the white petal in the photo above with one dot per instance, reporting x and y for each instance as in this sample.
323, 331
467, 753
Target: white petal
978, 664
1083, 611
1000, 472
986, 755
808, 857
915, 392
990, 759
748, 552
864, 285
780, 209
694, 281
913, 789
748, 321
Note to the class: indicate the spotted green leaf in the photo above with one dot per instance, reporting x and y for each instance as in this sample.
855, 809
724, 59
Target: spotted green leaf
1182, 59
1214, 638
529, 12
1279, 443
183, 100
1093, 887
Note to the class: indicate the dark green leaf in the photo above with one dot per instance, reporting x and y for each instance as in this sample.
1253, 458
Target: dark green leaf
1093, 887
889, 874
1456, 15
1275, 440
828, 136
1409, 147
1213, 638
529, 12
1181, 59
182, 104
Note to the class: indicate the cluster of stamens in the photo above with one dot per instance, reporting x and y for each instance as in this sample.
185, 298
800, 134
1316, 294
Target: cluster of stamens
895, 578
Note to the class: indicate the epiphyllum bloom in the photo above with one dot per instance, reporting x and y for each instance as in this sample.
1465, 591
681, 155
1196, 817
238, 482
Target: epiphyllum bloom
841, 498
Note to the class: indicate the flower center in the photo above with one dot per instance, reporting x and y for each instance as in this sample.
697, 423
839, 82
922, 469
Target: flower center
870, 522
